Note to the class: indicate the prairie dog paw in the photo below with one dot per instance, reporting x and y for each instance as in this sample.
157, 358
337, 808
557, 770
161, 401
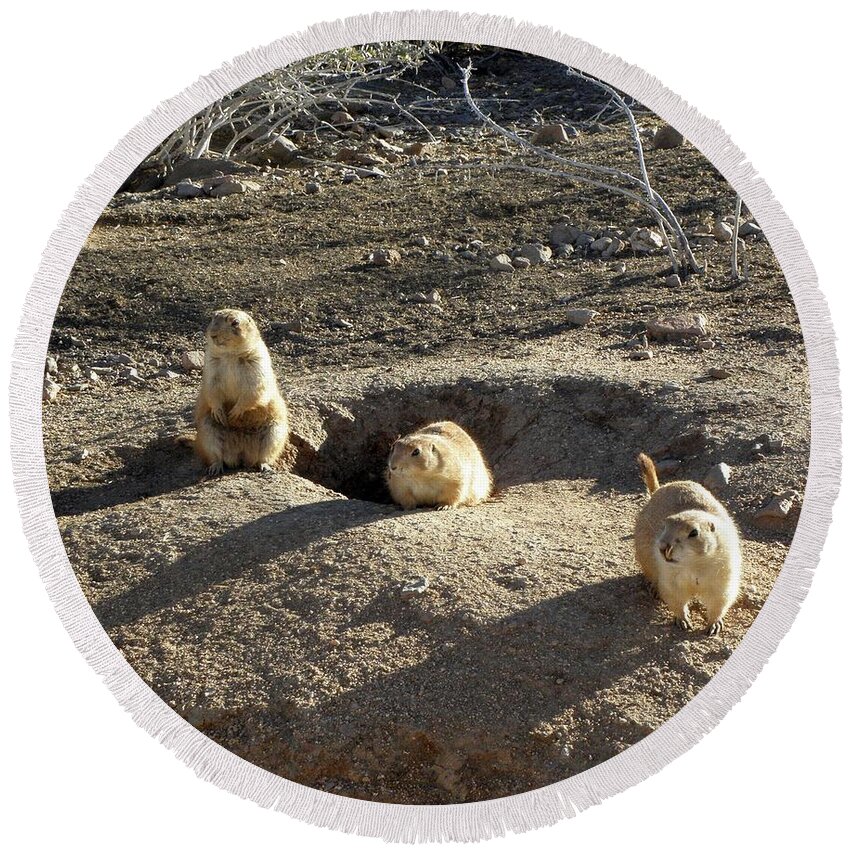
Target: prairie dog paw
219, 415
715, 628
215, 469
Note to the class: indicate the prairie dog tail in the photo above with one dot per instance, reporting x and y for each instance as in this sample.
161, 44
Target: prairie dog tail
647, 472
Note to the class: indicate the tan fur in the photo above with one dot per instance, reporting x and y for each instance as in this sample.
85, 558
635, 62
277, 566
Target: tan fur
681, 567
240, 417
446, 471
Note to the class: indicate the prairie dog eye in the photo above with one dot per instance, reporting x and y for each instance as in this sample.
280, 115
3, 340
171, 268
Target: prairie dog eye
235, 323
694, 533
415, 452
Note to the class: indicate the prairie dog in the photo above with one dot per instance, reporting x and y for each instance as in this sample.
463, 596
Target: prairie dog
240, 417
688, 548
438, 465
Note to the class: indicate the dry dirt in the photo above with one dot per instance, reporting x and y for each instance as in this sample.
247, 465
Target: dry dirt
268, 609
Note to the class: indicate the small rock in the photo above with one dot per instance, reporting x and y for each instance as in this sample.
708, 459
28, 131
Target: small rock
717, 477
667, 138
384, 257
678, 326
719, 373
109, 360
350, 177
563, 234
415, 587
688, 444
535, 253
501, 263
771, 444
415, 149
228, 186
641, 354
706, 344
618, 268
51, 367
778, 510
81, 455
668, 466
192, 361
188, 189
601, 244
722, 231
521, 262
433, 297
421, 241
565, 251
673, 281
441, 172
313, 187
614, 248
580, 315
51, 389
550, 134
750, 228
646, 240
168, 374
637, 342
341, 118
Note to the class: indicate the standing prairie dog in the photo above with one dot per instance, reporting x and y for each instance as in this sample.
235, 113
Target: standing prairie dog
688, 548
439, 465
240, 417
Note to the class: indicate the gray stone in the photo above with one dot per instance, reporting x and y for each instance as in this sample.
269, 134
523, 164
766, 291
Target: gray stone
666, 138
564, 234
350, 177
678, 326
550, 134
717, 477
384, 257
722, 231
192, 361
673, 281
779, 510
580, 315
521, 262
536, 254
641, 354
313, 187
718, 373
414, 587
601, 244
50, 390
563, 252
421, 241
614, 248
188, 189
645, 240
51, 367
501, 263
750, 228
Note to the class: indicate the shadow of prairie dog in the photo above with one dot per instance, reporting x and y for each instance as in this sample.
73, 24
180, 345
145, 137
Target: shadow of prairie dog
240, 417
439, 465
688, 548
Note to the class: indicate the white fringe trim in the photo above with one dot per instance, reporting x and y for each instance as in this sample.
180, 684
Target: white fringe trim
468, 821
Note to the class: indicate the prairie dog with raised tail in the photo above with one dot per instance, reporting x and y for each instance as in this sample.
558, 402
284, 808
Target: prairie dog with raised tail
688, 548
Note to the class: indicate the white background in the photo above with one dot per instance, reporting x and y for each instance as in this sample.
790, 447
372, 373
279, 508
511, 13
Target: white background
76, 78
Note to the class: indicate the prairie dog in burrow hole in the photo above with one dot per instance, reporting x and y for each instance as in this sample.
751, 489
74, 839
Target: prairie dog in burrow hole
688, 547
438, 465
240, 417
